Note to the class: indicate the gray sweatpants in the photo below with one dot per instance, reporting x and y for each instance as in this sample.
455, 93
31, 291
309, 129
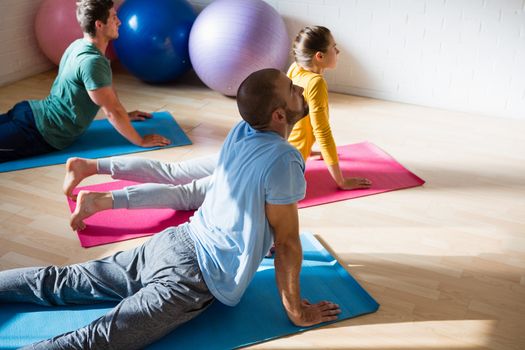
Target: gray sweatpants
159, 286
179, 186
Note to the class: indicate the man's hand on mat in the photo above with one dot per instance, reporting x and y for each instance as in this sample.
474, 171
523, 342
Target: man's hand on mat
354, 183
139, 116
154, 140
312, 314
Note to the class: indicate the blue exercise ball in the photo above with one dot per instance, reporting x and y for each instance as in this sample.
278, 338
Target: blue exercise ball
153, 38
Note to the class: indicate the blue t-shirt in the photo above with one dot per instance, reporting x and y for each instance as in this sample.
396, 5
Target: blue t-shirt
230, 229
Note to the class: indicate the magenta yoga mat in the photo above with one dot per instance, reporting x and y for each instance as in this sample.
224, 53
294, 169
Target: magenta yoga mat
357, 160
361, 159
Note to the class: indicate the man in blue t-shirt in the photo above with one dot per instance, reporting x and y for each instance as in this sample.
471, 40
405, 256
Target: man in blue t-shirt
179, 272
83, 86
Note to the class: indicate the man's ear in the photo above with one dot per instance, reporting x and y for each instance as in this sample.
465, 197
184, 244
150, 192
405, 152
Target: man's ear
98, 24
279, 115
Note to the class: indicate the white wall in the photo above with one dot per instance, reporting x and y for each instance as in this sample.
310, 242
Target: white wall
20, 56
466, 55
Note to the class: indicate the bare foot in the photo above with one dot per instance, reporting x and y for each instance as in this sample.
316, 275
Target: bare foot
77, 169
89, 203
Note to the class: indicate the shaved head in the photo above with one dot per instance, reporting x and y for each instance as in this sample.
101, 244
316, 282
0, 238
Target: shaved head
257, 97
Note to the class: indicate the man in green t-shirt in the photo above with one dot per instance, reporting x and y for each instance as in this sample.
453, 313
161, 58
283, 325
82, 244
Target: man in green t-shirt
83, 86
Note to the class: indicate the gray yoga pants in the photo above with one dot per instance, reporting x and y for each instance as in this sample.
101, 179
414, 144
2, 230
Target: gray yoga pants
180, 186
158, 285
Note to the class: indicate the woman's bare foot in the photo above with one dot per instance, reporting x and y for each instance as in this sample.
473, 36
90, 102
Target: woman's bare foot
77, 169
89, 203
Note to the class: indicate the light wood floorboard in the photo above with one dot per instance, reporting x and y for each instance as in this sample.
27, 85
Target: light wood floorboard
446, 261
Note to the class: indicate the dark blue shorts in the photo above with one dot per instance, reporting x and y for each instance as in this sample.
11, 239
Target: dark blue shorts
19, 136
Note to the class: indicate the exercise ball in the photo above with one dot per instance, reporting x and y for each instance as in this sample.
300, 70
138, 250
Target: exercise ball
56, 27
153, 38
231, 39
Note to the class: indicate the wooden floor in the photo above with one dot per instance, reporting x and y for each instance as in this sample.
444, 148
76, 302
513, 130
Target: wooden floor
446, 261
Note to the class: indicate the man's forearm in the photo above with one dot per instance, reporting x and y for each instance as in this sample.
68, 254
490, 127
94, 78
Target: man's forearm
120, 121
288, 260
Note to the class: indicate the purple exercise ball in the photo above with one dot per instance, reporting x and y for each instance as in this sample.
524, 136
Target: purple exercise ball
231, 39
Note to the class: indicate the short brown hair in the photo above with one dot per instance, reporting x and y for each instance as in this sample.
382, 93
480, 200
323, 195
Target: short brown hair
257, 98
90, 11
308, 42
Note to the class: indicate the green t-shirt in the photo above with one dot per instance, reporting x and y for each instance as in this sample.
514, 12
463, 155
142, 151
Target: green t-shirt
68, 110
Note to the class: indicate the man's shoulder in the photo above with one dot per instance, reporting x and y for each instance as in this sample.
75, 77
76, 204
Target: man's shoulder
288, 153
86, 53
84, 65
267, 142
281, 152
80, 46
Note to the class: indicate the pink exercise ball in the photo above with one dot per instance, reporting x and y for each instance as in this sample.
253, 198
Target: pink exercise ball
56, 27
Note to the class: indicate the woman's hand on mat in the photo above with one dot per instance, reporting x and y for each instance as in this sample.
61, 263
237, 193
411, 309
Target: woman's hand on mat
347, 183
354, 183
312, 314
139, 116
154, 140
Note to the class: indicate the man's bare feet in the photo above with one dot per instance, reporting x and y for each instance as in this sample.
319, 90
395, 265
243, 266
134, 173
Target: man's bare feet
89, 203
77, 169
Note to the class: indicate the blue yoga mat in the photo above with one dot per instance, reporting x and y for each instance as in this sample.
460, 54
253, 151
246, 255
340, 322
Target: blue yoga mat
258, 317
102, 140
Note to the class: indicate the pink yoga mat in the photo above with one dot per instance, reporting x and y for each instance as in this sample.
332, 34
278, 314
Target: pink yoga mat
361, 159
357, 160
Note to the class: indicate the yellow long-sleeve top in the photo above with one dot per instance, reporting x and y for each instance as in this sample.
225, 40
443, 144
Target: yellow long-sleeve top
315, 126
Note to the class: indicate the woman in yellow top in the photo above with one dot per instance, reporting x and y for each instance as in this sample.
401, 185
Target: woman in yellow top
315, 50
